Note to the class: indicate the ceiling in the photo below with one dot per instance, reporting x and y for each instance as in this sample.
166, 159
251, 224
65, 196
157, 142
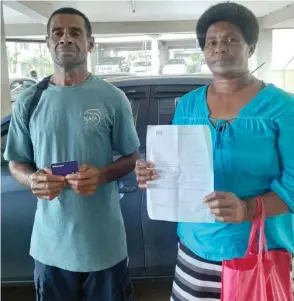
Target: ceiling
119, 11
24, 19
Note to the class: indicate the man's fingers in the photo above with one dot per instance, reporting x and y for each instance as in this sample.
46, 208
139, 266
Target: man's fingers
88, 174
84, 168
49, 186
47, 178
45, 194
82, 183
48, 170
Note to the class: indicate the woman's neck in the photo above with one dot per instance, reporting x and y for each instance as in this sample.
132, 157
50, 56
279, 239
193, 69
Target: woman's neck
228, 86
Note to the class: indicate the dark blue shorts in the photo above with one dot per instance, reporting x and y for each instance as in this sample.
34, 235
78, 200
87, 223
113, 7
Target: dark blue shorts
54, 284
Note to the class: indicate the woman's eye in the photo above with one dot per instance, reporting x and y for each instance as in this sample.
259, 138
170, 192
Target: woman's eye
232, 40
211, 43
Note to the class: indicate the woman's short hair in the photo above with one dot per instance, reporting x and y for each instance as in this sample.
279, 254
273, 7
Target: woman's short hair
234, 13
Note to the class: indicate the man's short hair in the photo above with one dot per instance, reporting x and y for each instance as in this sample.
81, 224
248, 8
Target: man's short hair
71, 11
234, 13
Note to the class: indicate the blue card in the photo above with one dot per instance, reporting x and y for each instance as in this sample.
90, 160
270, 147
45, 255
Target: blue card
64, 168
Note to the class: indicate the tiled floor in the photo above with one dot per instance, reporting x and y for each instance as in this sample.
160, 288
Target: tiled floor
144, 291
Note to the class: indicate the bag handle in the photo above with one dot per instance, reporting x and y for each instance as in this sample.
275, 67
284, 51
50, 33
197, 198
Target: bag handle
258, 224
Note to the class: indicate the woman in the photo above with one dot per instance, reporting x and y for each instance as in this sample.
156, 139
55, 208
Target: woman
252, 127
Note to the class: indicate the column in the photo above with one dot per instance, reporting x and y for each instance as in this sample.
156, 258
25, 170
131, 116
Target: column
264, 54
5, 91
163, 55
155, 56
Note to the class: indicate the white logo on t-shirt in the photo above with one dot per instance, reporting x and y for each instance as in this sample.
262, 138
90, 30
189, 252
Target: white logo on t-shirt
92, 116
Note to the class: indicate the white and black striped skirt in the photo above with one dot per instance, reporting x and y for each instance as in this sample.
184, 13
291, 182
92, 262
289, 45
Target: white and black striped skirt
196, 279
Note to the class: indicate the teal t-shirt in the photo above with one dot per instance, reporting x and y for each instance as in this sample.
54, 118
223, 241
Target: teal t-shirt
253, 155
87, 123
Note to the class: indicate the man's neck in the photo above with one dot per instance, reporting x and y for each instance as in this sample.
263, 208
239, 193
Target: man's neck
234, 84
62, 77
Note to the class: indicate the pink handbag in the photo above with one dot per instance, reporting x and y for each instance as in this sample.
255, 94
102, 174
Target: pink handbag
262, 275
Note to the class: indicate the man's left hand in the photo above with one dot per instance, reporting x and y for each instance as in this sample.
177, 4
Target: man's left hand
87, 180
227, 207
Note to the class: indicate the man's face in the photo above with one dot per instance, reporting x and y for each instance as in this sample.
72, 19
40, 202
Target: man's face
226, 52
68, 42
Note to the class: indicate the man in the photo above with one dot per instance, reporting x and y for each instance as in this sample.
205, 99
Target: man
78, 240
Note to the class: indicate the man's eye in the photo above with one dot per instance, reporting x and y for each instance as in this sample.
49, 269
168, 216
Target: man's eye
58, 33
75, 34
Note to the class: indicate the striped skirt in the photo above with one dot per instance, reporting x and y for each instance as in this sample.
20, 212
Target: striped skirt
196, 279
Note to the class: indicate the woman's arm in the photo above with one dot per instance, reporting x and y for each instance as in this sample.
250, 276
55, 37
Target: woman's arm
273, 205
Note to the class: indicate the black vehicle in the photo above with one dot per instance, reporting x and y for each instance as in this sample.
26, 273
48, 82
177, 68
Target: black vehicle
152, 245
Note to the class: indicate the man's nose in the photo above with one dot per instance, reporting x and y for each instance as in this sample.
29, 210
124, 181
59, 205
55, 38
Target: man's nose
66, 39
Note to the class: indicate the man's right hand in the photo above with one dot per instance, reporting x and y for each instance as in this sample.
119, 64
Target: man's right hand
44, 185
145, 172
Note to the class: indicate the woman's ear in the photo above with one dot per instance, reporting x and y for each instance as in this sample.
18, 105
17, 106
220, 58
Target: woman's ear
252, 50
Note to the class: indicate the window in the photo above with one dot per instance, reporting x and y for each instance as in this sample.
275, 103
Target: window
166, 98
135, 109
166, 110
19, 85
4, 132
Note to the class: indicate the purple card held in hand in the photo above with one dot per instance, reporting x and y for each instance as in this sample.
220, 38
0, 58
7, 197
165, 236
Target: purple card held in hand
64, 168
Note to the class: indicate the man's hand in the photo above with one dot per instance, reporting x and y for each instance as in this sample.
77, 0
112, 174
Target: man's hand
145, 171
44, 185
86, 181
226, 207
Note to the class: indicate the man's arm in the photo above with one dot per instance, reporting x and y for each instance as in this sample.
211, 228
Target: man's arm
22, 172
121, 167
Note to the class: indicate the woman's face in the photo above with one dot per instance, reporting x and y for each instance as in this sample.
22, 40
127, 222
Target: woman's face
226, 52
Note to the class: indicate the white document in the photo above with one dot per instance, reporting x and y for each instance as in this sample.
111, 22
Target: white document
183, 159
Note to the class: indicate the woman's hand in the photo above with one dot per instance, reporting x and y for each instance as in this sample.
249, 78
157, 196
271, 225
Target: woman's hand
227, 207
145, 171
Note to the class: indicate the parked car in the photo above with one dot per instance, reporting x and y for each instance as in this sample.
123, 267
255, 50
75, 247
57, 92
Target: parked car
107, 76
142, 68
111, 65
152, 245
17, 85
175, 67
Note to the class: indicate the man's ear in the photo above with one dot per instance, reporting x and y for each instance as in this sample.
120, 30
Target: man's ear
47, 41
91, 45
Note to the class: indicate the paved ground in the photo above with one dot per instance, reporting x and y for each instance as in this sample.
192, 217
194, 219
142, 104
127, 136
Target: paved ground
144, 291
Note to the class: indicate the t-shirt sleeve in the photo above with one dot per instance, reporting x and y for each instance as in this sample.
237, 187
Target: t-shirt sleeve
19, 146
284, 186
124, 135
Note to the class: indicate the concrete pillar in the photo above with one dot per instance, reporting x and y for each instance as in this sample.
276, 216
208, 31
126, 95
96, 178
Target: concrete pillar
155, 56
264, 54
163, 55
5, 91
94, 59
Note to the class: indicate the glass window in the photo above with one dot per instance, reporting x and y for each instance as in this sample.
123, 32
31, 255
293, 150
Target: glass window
166, 110
135, 109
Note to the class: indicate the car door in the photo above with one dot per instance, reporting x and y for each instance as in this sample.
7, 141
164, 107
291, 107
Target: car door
161, 237
131, 196
18, 207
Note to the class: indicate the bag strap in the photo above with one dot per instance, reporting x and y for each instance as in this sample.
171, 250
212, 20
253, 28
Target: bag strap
257, 227
41, 87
